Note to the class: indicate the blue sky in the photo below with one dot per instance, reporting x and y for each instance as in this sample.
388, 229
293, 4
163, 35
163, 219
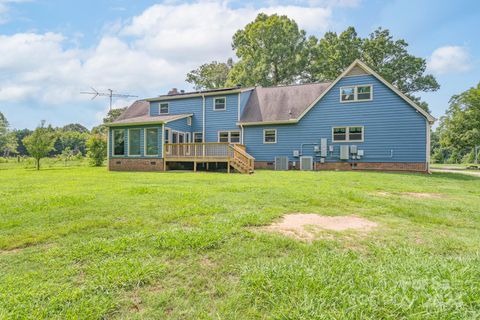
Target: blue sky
52, 50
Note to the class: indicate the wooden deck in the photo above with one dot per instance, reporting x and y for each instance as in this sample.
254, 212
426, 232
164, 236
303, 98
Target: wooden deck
233, 154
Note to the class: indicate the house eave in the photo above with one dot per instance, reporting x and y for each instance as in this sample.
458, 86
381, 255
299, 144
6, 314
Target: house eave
259, 123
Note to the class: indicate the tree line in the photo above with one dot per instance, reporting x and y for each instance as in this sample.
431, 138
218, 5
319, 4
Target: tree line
67, 142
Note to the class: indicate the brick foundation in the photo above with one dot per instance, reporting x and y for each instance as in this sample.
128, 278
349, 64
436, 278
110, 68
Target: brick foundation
374, 166
135, 164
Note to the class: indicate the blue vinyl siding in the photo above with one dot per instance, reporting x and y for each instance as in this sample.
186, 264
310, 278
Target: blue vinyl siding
142, 141
220, 120
154, 108
179, 125
391, 126
184, 106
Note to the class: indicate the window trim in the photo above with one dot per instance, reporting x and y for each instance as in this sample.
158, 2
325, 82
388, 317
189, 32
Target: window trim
129, 144
160, 108
347, 134
113, 143
276, 139
168, 135
145, 153
230, 135
214, 103
355, 93
194, 134
189, 121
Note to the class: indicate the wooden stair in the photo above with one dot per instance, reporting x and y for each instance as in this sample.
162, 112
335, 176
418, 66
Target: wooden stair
240, 160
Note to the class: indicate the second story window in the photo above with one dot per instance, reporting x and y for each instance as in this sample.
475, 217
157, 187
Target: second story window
164, 108
356, 93
189, 121
219, 104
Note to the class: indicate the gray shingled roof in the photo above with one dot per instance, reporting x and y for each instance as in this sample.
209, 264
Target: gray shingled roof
137, 109
281, 103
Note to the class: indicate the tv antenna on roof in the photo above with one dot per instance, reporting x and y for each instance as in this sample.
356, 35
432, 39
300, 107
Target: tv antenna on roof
109, 94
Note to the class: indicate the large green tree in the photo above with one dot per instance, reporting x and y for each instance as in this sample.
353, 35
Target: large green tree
270, 51
211, 75
459, 129
40, 143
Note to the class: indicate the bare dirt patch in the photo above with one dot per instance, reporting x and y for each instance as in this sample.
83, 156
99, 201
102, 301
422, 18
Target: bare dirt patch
418, 195
11, 251
304, 226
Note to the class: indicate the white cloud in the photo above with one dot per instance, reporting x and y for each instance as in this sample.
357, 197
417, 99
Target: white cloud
144, 55
449, 59
5, 9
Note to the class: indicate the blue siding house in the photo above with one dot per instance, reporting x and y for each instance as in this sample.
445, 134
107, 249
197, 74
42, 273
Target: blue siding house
358, 121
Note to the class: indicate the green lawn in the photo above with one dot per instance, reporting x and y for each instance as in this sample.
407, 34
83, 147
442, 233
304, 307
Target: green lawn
85, 243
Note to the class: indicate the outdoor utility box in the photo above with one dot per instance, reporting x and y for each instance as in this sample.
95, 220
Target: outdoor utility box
281, 163
296, 153
316, 148
360, 153
353, 149
344, 153
323, 147
306, 163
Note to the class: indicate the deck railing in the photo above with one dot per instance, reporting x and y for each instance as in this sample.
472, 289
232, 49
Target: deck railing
197, 150
234, 154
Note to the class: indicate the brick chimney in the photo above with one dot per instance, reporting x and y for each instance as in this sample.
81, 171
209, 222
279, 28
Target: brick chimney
173, 91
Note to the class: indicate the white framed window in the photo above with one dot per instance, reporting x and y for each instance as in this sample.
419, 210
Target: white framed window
269, 135
356, 93
118, 139
151, 141
229, 136
189, 121
197, 137
348, 134
134, 142
188, 137
220, 104
168, 134
164, 108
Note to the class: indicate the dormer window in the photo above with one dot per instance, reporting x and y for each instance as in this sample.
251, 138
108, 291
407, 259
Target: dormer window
164, 108
356, 93
219, 104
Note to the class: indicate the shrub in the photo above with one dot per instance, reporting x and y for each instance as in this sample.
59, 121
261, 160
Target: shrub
97, 149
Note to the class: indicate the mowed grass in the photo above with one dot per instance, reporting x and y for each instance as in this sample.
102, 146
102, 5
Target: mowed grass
85, 243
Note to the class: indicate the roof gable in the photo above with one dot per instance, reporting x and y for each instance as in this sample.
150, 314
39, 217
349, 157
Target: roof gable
355, 67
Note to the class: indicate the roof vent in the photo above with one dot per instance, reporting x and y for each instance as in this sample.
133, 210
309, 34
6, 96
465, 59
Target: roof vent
173, 91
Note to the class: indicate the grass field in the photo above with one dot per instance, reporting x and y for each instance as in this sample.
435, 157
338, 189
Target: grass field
85, 243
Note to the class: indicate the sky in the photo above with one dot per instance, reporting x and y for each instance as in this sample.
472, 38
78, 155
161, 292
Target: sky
51, 50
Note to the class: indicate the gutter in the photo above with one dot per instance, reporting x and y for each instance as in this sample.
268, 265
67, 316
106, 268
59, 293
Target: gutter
259, 123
